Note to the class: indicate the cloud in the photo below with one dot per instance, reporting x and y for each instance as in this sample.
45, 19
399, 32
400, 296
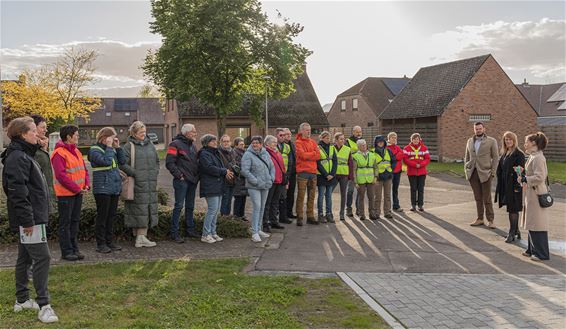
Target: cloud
117, 64
529, 46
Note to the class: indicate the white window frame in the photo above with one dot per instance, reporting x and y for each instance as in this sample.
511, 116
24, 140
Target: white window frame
355, 104
127, 114
479, 117
343, 105
108, 114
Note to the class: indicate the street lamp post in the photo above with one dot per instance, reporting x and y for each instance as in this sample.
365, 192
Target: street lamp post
266, 77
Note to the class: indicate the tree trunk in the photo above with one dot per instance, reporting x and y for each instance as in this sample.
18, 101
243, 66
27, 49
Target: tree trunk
220, 124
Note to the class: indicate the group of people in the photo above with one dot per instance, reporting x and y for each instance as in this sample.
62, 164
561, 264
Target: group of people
268, 171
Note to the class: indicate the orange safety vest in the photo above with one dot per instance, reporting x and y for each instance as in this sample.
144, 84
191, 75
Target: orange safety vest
75, 168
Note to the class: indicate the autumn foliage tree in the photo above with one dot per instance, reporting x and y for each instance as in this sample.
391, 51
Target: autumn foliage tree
220, 52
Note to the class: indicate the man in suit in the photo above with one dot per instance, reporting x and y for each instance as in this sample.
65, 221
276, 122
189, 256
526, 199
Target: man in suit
481, 161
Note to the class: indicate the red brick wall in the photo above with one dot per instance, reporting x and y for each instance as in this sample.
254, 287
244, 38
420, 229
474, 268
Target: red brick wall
490, 91
349, 117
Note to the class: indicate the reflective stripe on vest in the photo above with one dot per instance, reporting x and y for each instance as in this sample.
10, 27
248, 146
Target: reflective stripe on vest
114, 165
342, 157
353, 145
364, 171
75, 169
326, 159
285, 154
383, 164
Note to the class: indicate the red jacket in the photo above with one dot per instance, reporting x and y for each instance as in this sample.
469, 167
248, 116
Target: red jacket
411, 159
398, 154
278, 163
307, 154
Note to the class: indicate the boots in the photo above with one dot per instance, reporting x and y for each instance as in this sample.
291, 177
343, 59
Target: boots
142, 241
513, 228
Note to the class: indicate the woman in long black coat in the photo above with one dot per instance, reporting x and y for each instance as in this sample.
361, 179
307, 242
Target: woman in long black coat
508, 190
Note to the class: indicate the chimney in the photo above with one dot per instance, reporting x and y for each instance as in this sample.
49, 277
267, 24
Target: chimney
525, 83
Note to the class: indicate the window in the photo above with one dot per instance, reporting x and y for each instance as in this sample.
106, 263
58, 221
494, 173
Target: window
125, 104
108, 114
370, 124
355, 103
343, 105
343, 125
479, 117
127, 114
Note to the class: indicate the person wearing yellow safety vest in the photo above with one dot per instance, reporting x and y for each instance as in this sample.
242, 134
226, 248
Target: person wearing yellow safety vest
364, 177
326, 179
344, 172
416, 157
71, 182
104, 157
384, 175
288, 160
351, 143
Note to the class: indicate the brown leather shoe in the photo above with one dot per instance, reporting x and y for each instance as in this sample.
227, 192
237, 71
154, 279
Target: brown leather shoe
491, 225
478, 222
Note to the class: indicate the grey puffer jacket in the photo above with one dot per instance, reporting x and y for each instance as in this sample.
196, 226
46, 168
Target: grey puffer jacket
259, 174
142, 211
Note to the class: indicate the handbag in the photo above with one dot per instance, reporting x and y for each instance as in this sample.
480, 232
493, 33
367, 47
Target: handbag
546, 200
285, 179
128, 182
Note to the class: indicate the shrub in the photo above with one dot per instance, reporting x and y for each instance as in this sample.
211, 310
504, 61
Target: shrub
228, 226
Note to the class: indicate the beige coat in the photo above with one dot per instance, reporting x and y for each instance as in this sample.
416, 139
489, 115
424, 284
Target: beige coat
485, 161
534, 217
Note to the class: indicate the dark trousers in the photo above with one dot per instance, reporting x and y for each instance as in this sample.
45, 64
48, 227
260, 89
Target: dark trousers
291, 194
271, 212
343, 181
395, 190
417, 190
39, 255
185, 192
538, 244
106, 206
226, 204
69, 219
283, 206
482, 195
239, 205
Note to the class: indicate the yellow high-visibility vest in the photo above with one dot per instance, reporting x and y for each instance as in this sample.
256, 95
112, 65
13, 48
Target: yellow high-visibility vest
326, 159
342, 157
364, 164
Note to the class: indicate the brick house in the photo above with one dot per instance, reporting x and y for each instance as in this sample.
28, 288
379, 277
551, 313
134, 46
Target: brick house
120, 113
442, 102
362, 103
549, 101
301, 106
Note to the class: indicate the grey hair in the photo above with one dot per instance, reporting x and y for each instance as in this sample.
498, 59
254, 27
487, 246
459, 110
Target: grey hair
323, 134
356, 128
207, 138
269, 139
303, 125
187, 127
361, 141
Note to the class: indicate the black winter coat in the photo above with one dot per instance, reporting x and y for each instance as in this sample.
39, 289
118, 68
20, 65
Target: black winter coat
228, 158
181, 159
24, 185
508, 191
212, 172
292, 159
240, 186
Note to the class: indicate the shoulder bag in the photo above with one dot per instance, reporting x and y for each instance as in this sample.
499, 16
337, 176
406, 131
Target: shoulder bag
128, 182
546, 200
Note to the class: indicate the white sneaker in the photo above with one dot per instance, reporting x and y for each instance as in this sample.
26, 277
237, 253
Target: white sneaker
256, 238
263, 234
29, 304
47, 315
217, 238
142, 241
207, 239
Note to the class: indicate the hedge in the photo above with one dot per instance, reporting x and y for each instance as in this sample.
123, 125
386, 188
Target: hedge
228, 226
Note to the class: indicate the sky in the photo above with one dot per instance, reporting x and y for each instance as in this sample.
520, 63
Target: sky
350, 40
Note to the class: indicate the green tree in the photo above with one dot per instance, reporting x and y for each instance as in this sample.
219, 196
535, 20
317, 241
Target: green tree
220, 51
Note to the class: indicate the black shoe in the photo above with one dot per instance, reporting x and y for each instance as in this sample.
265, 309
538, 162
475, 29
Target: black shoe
104, 249
312, 221
421, 209
518, 235
349, 212
299, 222
70, 257
321, 219
79, 255
114, 247
388, 216
413, 209
243, 218
285, 221
277, 226
292, 216
266, 229
362, 217
192, 235
342, 217
374, 217
510, 238
178, 239
330, 218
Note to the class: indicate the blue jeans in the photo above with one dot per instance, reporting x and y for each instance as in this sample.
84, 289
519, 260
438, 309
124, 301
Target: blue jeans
325, 194
226, 207
396, 181
350, 194
209, 227
259, 197
185, 192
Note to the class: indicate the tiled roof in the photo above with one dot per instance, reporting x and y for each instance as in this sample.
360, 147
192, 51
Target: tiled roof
377, 91
547, 100
432, 89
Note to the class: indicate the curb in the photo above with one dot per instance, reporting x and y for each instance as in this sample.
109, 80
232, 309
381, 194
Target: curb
391, 321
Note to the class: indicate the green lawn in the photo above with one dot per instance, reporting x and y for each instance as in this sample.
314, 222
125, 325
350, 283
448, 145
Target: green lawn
556, 170
189, 294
